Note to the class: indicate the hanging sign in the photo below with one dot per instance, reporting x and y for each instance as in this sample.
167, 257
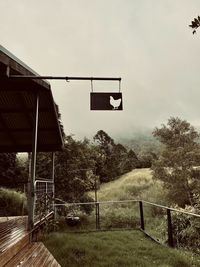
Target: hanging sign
106, 101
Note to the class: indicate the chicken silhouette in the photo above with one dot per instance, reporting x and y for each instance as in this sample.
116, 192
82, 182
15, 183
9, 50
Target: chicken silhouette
115, 102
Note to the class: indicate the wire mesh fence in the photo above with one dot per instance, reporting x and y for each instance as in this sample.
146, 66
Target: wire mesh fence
165, 225
44, 190
155, 222
170, 226
98, 215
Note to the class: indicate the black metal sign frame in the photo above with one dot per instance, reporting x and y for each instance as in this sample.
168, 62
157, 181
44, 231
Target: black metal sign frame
106, 101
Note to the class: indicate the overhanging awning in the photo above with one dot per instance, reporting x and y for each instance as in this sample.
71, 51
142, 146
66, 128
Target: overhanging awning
17, 108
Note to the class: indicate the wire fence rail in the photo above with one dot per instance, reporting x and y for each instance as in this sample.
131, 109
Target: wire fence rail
157, 221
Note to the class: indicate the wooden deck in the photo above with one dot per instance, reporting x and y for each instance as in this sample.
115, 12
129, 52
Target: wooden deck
16, 248
34, 254
11, 231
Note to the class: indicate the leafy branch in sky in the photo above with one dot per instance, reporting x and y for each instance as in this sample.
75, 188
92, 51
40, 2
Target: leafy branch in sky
195, 24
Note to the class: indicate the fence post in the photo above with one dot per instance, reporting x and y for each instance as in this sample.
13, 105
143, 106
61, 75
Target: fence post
98, 216
170, 231
141, 215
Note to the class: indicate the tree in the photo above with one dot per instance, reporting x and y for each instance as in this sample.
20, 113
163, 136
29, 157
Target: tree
44, 165
111, 156
104, 140
175, 166
7, 165
10, 170
195, 24
104, 164
114, 159
119, 158
74, 169
131, 161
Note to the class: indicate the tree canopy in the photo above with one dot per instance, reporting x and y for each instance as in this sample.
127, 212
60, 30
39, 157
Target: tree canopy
11, 173
114, 159
176, 166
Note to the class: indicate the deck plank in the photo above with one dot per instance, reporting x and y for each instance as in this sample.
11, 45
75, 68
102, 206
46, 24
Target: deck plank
33, 255
16, 249
44, 256
11, 231
11, 251
21, 256
48, 261
13, 237
54, 264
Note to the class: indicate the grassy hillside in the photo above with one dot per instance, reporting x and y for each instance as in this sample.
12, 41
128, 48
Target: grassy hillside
137, 184
134, 185
126, 187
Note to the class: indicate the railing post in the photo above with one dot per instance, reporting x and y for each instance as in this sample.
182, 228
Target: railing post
170, 231
141, 215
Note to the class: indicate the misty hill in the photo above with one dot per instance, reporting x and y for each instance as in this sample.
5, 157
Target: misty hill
143, 143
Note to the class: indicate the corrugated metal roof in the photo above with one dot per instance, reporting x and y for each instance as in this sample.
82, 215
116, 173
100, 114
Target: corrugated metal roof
17, 98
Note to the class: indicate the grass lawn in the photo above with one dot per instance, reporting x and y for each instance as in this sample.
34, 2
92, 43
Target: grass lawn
112, 249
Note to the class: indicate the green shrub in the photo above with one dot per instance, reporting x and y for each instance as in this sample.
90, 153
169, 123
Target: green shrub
186, 229
12, 203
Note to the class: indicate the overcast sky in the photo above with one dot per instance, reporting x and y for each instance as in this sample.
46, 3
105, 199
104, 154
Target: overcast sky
146, 42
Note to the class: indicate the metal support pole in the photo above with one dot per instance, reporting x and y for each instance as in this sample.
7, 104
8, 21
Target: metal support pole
170, 231
141, 215
31, 189
53, 178
95, 188
96, 205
